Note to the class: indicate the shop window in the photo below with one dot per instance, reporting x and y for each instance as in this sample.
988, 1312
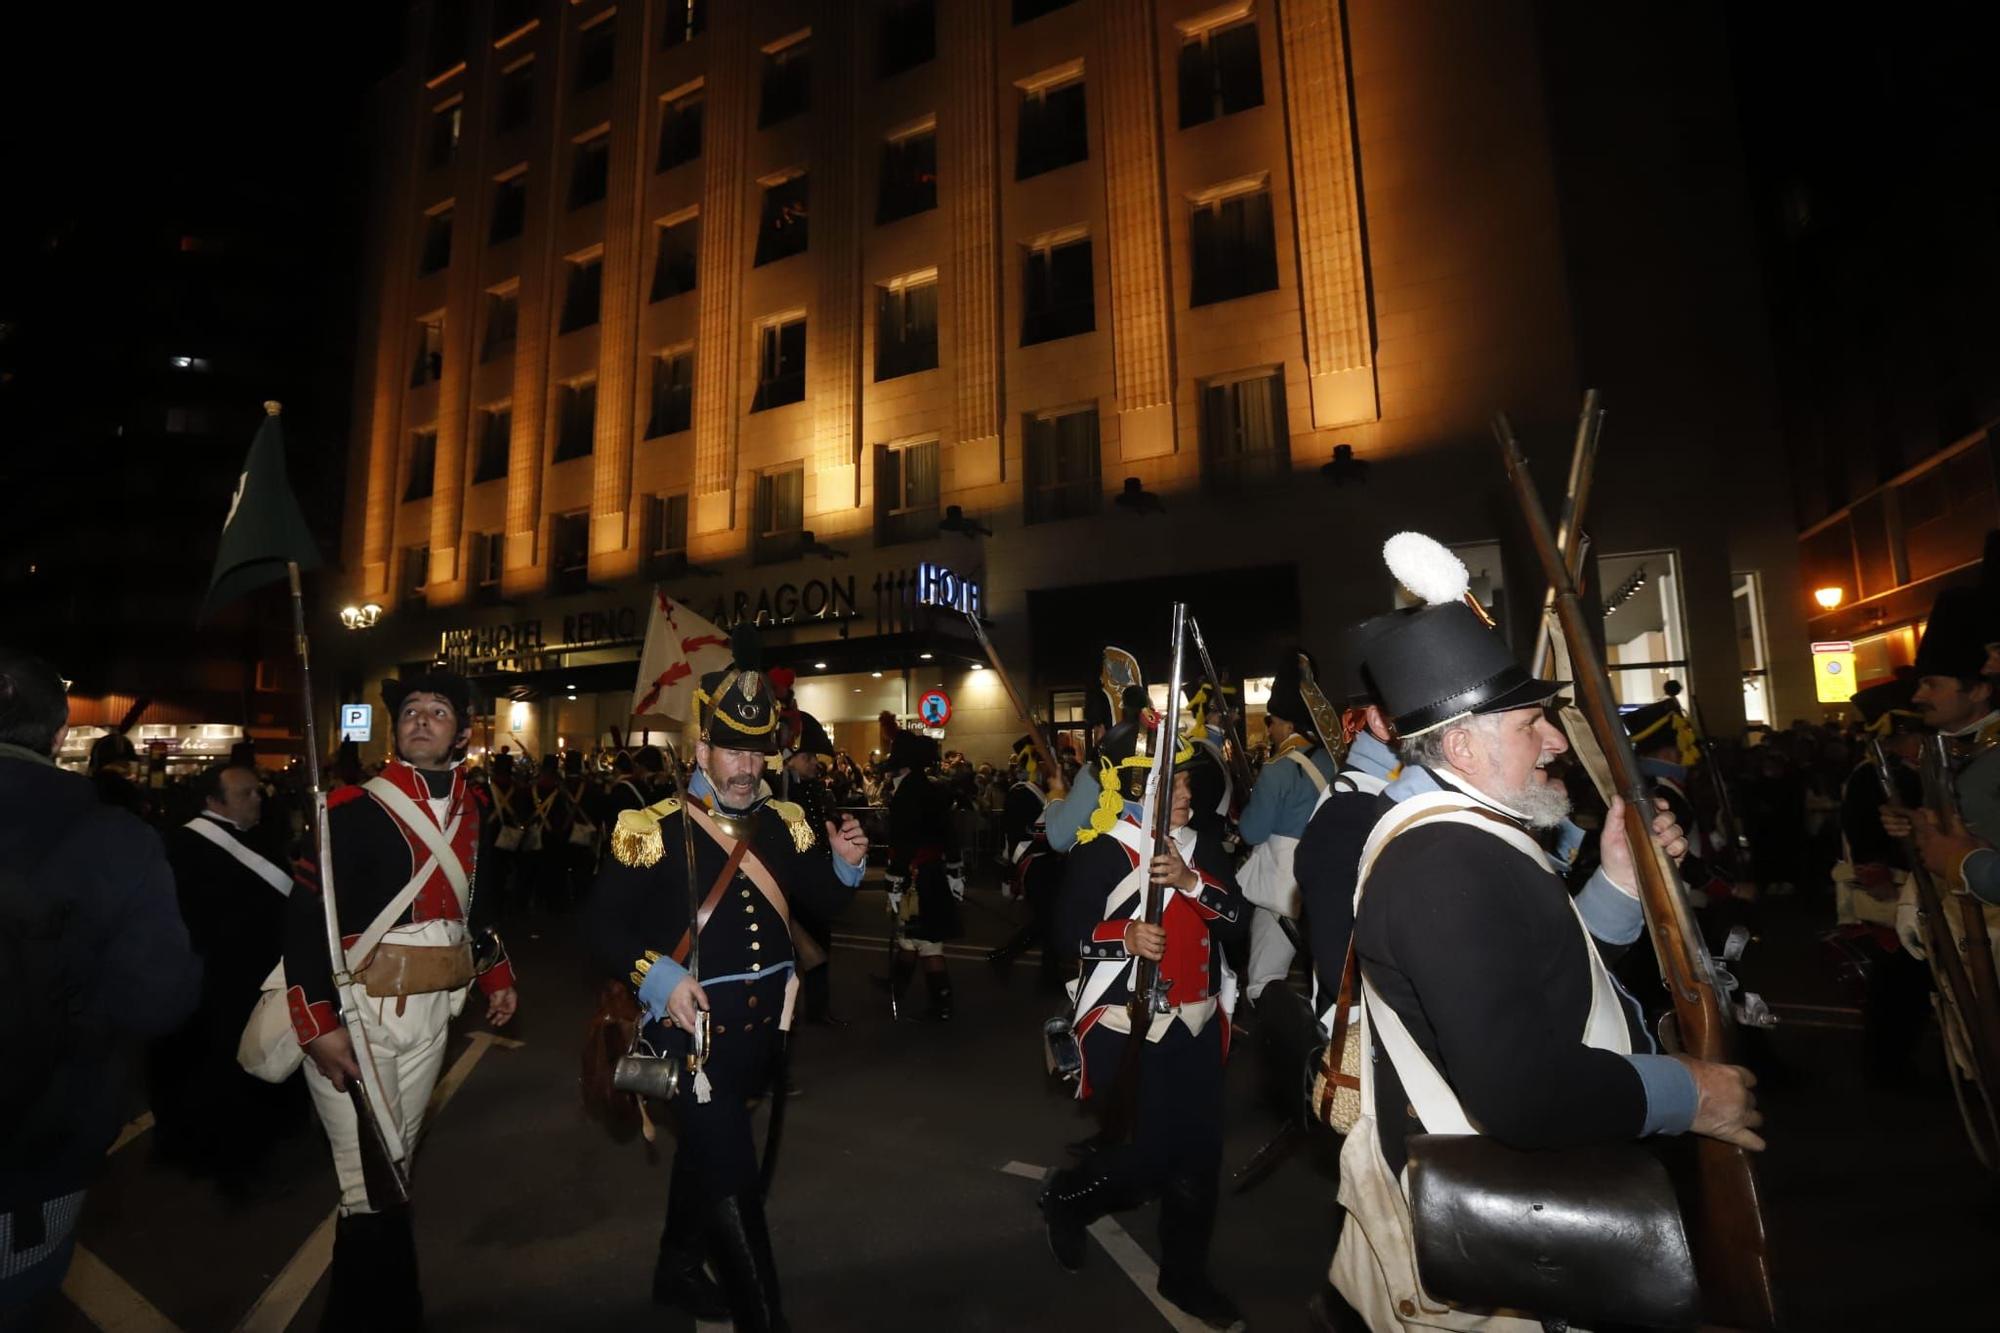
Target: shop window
496, 442
510, 206
787, 88
781, 362
674, 253
1060, 465
576, 420
1233, 250
1244, 435
1058, 296
906, 338
569, 551
1645, 634
436, 252
423, 465
1747, 593
682, 21
1221, 72
582, 293
906, 492
1053, 131
589, 169
446, 122
416, 570
516, 99
503, 311
680, 130
906, 37
427, 367
667, 533
781, 514
597, 50
1025, 10
781, 230
909, 175
673, 392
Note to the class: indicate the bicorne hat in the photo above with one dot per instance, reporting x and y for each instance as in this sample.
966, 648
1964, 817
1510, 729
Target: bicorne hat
1655, 724
1288, 700
912, 750
1441, 664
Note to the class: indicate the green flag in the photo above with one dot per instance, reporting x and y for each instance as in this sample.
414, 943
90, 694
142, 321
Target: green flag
265, 529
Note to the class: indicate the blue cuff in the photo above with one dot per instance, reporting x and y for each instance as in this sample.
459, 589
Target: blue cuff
1611, 914
850, 875
1670, 1095
1569, 840
1981, 869
661, 978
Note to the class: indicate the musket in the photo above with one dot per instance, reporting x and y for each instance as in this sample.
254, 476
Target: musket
1732, 1250
1043, 755
1582, 464
1237, 757
1725, 808
1941, 794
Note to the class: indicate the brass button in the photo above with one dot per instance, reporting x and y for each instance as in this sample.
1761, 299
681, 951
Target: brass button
719, 1029
750, 908
755, 967
1407, 1308
753, 1002
754, 945
753, 926
746, 893
768, 1020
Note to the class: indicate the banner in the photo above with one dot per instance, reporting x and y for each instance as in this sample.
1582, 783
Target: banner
680, 649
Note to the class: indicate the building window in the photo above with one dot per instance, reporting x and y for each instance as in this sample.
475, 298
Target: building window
673, 392
1645, 632
1025, 10
581, 298
450, 28
1058, 297
446, 122
906, 492
1244, 434
423, 465
427, 367
781, 231
589, 169
909, 175
190, 421
510, 16
667, 531
510, 207
576, 420
787, 87
516, 99
907, 36
597, 48
437, 242
1233, 250
781, 514
569, 551
416, 570
496, 441
1053, 132
682, 21
488, 556
503, 310
1060, 465
1221, 71
906, 339
781, 362
680, 131
674, 249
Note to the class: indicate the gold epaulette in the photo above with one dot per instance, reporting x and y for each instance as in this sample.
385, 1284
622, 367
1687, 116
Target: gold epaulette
635, 839
795, 821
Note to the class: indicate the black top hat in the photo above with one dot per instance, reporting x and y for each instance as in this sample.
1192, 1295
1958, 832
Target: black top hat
1954, 642
1889, 706
1441, 664
1287, 701
1355, 689
445, 684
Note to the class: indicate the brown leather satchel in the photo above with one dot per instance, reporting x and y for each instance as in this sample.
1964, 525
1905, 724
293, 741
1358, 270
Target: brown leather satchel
416, 969
606, 1037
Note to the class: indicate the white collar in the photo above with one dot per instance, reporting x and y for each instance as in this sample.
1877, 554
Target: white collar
1974, 728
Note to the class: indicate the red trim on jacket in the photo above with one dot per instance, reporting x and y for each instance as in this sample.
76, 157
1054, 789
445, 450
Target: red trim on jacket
497, 978
310, 1021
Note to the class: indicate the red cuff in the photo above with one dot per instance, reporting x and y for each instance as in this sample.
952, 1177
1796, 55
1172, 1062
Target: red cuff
310, 1021
1109, 932
497, 978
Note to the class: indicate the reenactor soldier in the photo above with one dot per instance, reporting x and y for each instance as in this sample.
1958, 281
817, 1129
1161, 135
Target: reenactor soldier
1034, 869
1293, 778
710, 959
805, 759
923, 898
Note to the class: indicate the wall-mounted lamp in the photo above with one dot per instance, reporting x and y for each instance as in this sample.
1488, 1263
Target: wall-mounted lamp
1829, 597
360, 617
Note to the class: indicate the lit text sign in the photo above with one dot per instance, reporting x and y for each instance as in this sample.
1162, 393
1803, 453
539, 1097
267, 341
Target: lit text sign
939, 586
1833, 672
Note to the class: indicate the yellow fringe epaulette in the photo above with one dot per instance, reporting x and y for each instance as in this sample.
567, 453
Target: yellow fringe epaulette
795, 821
636, 840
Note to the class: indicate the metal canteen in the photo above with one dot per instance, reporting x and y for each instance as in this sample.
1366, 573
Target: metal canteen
652, 1076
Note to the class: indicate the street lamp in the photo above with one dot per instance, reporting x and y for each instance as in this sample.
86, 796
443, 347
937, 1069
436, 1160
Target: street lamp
360, 617
1829, 598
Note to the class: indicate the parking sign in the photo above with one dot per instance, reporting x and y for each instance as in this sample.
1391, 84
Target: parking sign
357, 721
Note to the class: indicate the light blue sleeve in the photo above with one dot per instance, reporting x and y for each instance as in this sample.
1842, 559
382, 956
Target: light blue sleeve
850, 875
661, 978
1063, 820
1569, 841
1612, 914
1670, 1094
1269, 801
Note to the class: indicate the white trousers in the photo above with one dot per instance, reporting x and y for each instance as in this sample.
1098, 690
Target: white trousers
1271, 952
403, 1054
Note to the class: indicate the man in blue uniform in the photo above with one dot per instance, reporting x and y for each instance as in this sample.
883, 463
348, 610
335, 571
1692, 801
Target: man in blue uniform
1293, 779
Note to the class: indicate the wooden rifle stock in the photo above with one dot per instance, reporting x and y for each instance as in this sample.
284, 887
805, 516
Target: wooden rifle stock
1731, 1249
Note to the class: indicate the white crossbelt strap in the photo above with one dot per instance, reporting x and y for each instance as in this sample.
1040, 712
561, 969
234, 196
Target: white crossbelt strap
435, 839
1304, 760
249, 860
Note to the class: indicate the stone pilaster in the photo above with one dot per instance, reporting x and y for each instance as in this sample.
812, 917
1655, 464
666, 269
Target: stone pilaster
720, 335
833, 325
612, 550
968, 170
521, 572
1126, 84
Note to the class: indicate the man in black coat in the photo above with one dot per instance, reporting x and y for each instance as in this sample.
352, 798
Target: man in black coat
922, 895
756, 861
95, 958
1034, 869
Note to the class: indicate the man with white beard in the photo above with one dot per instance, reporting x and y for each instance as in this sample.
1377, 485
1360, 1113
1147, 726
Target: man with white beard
1488, 1005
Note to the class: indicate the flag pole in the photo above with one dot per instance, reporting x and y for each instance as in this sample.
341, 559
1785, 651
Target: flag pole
300, 644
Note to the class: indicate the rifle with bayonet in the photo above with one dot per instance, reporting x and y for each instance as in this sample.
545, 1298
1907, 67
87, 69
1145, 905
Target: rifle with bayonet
1236, 757
1052, 773
1728, 1238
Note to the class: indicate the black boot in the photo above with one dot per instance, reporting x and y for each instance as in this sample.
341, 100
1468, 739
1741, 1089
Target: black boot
1075, 1197
939, 985
679, 1280
741, 1244
373, 1283
1187, 1220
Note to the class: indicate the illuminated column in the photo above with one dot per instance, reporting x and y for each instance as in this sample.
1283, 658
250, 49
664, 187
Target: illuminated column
720, 335
1333, 272
1142, 329
611, 553
968, 167
833, 360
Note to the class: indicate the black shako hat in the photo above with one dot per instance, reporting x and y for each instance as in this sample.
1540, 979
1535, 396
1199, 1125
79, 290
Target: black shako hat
1287, 700
912, 750
736, 708
1441, 664
1356, 691
805, 735
444, 684
1954, 642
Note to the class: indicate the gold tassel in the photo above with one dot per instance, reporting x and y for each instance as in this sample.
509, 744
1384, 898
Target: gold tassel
1110, 803
636, 841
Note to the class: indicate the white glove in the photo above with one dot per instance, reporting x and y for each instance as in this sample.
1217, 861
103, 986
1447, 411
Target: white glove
1908, 931
954, 878
895, 894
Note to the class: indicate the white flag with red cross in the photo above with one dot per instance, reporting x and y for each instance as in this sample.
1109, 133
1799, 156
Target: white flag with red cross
680, 649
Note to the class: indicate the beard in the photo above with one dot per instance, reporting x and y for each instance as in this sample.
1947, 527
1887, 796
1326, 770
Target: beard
1543, 806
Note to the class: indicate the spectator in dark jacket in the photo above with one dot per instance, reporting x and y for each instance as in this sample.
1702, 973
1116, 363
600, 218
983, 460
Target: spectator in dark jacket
96, 957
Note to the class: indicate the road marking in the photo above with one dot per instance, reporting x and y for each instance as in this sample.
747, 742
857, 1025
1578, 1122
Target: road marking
1129, 1255
109, 1301
130, 1132
280, 1303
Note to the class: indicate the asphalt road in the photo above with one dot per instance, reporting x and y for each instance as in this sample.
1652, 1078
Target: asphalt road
904, 1199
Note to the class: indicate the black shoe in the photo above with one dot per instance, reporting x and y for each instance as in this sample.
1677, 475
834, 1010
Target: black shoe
1012, 949
741, 1243
1196, 1295
1064, 1203
680, 1282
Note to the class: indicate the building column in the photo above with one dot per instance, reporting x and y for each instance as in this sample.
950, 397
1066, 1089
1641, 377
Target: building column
833, 325
969, 166
1326, 204
720, 335
1142, 320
